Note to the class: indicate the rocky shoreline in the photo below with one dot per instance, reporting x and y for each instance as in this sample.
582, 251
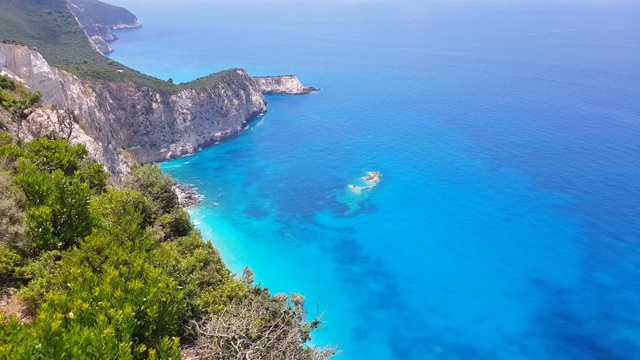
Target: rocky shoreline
128, 120
98, 26
282, 85
100, 114
188, 196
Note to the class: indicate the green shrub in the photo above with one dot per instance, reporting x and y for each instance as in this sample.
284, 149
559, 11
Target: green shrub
19, 100
13, 230
175, 224
9, 152
104, 299
43, 274
198, 268
115, 205
50, 155
93, 175
7, 83
120, 313
5, 139
58, 182
58, 207
152, 183
10, 260
123, 274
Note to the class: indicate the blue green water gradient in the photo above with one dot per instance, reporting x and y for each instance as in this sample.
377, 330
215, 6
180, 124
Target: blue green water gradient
507, 221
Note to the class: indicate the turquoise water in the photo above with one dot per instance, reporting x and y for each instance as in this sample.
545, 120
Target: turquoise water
507, 221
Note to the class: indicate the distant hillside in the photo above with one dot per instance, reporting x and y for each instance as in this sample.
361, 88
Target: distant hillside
99, 19
106, 14
49, 27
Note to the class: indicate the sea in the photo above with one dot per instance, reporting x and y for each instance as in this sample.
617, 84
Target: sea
506, 224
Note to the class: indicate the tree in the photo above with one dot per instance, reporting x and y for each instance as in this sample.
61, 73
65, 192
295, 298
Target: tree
260, 327
16, 99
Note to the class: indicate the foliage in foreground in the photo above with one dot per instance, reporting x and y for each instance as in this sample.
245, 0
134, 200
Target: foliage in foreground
122, 274
259, 329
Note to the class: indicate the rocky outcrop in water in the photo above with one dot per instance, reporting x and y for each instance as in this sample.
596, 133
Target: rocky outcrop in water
282, 85
98, 19
187, 195
123, 121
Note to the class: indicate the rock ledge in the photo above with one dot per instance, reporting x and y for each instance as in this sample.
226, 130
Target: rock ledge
282, 85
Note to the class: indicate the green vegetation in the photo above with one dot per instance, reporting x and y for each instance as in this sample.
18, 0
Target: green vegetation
16, 99
121, 273
49, 27
107, 273
107, 14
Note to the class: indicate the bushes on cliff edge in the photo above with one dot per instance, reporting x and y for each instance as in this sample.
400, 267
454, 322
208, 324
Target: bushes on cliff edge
15, 98
58, 181
152, 183
13, 230
122, 274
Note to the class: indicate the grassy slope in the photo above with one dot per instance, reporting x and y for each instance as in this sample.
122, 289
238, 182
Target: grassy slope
48, 27
108, 14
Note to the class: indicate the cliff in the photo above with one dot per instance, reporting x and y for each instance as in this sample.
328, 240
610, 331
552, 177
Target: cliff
284, 85
121, 121
98, 19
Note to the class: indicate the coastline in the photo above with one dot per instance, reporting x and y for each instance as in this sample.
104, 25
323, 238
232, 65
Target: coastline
445, 202
98, 26
188, 195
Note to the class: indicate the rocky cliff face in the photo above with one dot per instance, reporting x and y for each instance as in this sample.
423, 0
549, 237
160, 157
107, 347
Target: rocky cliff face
122, 121
285, 85
98, 19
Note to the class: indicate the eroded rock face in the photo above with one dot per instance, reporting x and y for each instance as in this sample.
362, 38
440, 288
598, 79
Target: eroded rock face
123, 118
283, 85
98, 19
51, 121
100, 44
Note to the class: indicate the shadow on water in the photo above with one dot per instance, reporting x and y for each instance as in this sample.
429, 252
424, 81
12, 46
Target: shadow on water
576, 324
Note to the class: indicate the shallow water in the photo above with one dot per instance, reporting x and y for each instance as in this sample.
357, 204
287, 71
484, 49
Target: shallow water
506, 224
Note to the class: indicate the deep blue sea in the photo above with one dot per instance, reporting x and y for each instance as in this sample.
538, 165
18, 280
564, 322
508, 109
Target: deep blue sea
507, 221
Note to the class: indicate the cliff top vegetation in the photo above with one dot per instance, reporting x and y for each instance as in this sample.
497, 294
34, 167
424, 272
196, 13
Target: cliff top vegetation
109, 15
49, 27
106, 273
98, 272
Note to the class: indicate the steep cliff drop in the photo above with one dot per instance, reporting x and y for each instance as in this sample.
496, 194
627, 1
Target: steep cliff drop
282, 85
120, 121
98, 19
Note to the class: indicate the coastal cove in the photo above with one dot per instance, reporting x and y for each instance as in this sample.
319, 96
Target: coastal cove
506, 221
